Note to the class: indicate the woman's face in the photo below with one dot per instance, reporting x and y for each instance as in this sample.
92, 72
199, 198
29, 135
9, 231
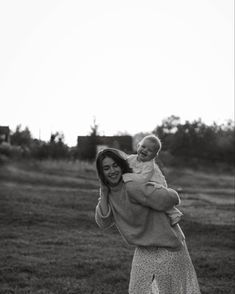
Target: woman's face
112, 171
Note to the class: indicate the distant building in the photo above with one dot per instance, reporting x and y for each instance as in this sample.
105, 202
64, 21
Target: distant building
4, 134
120, 142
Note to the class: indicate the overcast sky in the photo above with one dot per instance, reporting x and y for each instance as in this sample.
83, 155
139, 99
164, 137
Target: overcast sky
128, 64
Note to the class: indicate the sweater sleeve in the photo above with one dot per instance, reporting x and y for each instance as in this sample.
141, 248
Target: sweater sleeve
103, 221
141, 177
152, 195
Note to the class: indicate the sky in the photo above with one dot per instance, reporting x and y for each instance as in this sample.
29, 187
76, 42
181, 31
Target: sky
125, 65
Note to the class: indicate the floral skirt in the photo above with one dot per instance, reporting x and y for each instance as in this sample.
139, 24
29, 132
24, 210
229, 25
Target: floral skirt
161, 271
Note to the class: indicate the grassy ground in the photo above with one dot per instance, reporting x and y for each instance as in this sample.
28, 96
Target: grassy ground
49, 242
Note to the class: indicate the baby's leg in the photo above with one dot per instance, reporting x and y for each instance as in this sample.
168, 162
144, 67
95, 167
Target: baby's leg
175, 215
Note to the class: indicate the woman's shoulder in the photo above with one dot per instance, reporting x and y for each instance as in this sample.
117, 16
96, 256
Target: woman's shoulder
131, 156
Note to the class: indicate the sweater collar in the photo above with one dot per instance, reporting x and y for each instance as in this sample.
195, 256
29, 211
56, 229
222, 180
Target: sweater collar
117, 187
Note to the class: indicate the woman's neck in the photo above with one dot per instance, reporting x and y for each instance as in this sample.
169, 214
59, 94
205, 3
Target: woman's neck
117, 187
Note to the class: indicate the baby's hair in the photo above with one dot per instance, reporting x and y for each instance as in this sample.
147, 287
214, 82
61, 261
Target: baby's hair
155, 140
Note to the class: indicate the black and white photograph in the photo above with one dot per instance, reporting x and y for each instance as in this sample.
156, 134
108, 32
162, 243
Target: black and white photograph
117, 147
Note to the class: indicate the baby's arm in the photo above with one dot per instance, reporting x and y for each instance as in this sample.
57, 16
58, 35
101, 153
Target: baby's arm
141, 177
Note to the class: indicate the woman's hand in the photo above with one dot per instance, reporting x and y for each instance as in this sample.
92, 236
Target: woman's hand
104, 190
104, 199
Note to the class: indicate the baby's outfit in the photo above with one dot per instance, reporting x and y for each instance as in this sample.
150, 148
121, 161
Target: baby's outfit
149, 171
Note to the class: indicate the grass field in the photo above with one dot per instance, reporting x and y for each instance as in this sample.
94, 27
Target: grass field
50, 243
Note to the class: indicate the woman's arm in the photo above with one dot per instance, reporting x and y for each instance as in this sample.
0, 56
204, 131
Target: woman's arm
104, 199
103, 213
152, 195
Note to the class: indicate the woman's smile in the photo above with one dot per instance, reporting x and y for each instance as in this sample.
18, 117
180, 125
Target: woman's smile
114, 176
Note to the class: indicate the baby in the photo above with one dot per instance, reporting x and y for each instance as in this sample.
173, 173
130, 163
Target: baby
145, 169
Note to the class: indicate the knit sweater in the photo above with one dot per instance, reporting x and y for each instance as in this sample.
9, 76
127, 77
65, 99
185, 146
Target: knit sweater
143, 172
137, 210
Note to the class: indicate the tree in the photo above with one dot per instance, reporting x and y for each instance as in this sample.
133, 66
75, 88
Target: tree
56, 147
92, 144
196, 140
21, 138
86, 148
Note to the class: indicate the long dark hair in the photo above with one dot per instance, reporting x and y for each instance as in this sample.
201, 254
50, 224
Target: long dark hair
118, 157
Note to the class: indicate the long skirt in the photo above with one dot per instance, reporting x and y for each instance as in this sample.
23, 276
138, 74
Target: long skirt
161, 271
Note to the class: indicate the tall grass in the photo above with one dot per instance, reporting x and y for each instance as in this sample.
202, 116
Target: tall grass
67, 165
50, 243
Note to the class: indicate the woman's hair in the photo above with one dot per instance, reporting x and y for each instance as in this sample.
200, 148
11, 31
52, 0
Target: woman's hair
117, 156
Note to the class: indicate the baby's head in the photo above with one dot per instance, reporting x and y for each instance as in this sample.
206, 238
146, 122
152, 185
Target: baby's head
148, 148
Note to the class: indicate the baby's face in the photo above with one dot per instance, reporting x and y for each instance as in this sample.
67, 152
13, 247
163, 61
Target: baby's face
146, 150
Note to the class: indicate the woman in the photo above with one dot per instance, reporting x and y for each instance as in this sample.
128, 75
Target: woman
161, 262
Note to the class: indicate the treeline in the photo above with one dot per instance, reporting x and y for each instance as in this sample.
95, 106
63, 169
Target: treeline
188, 141
196, 140
23, 145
